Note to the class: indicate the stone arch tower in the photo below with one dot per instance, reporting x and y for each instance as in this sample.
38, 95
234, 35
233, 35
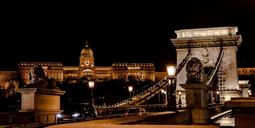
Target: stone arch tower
216, 48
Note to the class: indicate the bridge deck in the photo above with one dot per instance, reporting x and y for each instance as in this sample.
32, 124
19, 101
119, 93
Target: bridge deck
132, 126
135, 121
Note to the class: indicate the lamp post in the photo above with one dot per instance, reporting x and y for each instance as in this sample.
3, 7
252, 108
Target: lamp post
164, 95
217, 97
171, 88
91, 86
130, 90
180, 100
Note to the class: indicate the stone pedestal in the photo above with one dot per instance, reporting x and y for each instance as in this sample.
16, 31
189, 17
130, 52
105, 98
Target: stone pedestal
243, 110
45, 103
196, 99
27, 99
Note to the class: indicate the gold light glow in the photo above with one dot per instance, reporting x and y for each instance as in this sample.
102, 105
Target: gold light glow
171, 70
130, 88
91, 84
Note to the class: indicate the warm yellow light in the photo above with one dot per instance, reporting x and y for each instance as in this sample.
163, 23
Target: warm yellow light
169, 82
163, 91
91, 84
130, 88
180, 93
218, 92
243, 82
171, 70
227, 97
206, 32
249, 92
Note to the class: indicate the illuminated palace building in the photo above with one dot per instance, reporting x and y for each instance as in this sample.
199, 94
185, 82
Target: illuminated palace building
88, 71
85, 71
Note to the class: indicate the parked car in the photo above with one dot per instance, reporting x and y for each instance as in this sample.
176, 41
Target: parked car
135, 111
77, 112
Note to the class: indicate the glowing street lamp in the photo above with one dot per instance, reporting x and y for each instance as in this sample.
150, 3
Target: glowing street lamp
171, 74
217, 97
130, 90
180, 100
171, 87
164, 92
91, 86
171, 70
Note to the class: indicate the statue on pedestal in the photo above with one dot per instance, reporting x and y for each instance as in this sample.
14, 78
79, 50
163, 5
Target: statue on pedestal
38, 79
194, 69
196, 92
41, 96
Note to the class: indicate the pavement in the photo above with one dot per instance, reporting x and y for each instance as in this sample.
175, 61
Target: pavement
80, 125
122, 122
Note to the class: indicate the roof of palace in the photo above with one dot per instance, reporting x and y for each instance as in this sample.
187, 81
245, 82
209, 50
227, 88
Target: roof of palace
86, 51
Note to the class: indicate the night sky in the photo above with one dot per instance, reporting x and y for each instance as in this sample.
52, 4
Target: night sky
116, 31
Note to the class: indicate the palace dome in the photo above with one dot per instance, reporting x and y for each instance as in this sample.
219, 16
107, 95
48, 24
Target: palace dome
87, 51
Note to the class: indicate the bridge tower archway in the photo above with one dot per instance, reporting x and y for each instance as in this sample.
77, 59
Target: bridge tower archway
216, 48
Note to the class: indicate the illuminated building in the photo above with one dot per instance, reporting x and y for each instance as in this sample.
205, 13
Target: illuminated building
85, 71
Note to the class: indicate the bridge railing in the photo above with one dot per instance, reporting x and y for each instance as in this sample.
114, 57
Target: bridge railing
215, 109
140, 97
148, 93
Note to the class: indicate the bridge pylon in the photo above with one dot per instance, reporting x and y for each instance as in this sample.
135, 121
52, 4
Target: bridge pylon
216, 48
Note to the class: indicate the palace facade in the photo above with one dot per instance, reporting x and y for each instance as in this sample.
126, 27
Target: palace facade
86, 70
